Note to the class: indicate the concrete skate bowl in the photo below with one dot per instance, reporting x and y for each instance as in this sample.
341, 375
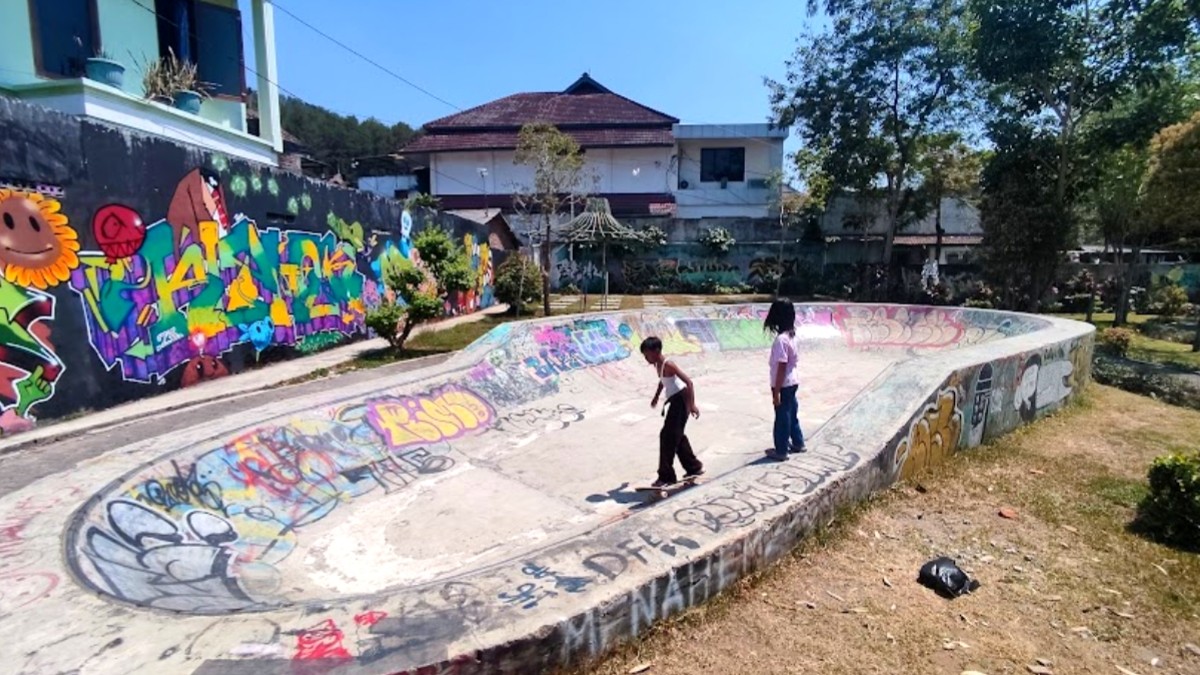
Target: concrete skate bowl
479, 516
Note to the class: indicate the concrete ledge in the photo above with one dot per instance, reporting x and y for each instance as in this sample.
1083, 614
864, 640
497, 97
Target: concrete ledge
955, 378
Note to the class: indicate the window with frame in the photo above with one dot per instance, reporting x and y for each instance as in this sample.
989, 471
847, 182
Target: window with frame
722, 164
65, 36
208, 35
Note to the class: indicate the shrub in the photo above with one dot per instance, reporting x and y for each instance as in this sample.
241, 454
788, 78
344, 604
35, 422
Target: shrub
518, 282
385, 321
653, 236
1168, 329
1171, 512
1169, 299
718, 240
1161, 387
1116, 341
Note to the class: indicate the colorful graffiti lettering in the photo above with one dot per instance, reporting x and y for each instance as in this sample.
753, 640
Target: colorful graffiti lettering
580, 344
899, 327
240, 285
933, 436
444, 414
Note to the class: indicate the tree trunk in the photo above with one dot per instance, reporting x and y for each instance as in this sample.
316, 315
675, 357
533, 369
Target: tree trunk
779, 266
404, 334
546, 270
1122, 310
937, 227
604, 266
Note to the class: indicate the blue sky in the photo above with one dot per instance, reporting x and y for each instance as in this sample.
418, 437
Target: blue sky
701, 61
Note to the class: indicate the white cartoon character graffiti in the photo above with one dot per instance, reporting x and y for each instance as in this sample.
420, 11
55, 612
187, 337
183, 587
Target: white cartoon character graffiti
1042, 385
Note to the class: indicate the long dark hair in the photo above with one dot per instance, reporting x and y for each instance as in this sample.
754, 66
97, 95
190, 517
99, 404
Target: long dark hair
781, 318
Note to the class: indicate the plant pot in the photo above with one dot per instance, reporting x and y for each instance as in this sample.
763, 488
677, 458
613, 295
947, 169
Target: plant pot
105, 71
188, 101
162, 98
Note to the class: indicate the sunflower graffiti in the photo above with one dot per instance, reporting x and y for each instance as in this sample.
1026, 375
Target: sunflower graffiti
37, 246
37, 252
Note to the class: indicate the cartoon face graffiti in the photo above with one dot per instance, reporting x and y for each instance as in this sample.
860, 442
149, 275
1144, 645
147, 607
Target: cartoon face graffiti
1042, 385
406, 226
201, 369
37, 247
119, 230
260, 333
198, 198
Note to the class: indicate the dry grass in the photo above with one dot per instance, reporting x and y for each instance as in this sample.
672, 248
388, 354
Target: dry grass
1065, 581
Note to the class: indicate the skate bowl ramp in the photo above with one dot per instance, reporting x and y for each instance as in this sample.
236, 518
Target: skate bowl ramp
480, 515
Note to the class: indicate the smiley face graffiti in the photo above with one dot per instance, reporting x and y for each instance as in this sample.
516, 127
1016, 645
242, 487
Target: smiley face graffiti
37, 247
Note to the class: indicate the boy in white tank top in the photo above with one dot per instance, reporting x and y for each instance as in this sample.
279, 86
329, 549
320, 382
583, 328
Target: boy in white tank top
680, 401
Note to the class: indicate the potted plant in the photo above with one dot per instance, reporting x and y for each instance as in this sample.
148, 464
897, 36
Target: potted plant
104, 68
170, 80
156, 82
189, 92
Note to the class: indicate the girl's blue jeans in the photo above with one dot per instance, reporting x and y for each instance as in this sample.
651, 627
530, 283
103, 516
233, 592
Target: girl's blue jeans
787, 422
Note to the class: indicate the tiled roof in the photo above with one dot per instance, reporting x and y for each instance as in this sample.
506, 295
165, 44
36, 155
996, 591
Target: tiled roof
586, 110
506, 140
559, 109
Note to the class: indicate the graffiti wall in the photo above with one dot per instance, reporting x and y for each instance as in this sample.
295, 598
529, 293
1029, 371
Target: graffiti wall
130, 265
682, 268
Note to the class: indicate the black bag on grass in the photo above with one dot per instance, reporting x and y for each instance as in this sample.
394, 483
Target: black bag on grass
945, 578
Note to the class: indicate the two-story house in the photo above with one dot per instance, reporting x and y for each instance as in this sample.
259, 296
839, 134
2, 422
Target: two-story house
46, 46
645, 162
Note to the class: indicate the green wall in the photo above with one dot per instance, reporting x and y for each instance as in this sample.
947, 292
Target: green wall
16, 45
129, 34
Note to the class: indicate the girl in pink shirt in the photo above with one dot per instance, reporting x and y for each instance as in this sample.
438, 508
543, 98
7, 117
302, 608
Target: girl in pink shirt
781, 320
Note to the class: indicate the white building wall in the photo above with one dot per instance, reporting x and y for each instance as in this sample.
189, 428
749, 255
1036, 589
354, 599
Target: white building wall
747, 198
621, 170
386, 186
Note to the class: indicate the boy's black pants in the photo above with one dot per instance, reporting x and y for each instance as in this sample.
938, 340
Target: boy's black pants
673, 441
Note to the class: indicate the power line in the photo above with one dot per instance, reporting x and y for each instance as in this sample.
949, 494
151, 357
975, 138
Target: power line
385, 69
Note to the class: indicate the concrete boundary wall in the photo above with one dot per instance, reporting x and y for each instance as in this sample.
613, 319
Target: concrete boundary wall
961, 377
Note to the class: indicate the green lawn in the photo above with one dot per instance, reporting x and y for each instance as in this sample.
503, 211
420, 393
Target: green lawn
1147, 348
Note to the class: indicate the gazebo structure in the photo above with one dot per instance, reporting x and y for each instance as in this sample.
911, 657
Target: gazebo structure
596, 225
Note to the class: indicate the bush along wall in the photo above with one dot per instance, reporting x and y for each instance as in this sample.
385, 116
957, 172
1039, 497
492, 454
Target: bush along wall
131, 265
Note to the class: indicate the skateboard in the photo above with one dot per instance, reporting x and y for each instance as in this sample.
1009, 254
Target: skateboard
666, 491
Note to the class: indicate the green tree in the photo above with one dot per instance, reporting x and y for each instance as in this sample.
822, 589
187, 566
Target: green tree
1024, 228
949, 169
518, 282
1055, 72
394, 321
1172, 202
793, 207
558, 186
880, 78
446, 260
1114, 208
339, 140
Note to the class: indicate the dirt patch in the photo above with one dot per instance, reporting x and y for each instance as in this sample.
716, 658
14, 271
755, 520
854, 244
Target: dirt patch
1063, 581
